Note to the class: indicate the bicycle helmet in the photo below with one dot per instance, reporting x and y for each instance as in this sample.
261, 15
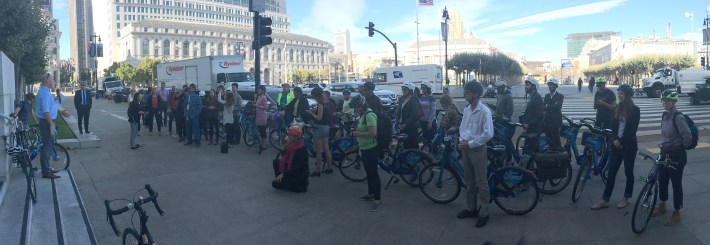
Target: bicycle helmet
295, 131
427, 84
628, 91
532, 81
346, 91
474, 87
600, 80
369, 86
554, 81
356, 102
669, 95
408, 85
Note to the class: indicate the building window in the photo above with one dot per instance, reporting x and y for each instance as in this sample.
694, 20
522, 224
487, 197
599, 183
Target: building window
118, 34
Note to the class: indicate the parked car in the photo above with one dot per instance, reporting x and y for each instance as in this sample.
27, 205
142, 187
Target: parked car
388, 97
306, 88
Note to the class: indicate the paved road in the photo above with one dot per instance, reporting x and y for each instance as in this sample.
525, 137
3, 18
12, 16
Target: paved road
213, 198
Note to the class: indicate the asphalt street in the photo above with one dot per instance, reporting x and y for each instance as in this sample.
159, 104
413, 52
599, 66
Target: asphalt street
214, 198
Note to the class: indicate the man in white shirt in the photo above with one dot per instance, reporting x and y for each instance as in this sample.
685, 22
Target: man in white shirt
475, 131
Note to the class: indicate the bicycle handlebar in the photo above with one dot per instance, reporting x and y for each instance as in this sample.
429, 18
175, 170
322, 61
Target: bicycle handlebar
153, 197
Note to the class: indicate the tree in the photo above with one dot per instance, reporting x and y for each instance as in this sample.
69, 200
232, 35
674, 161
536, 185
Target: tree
632, 70
23, 31
111, 69
126, 72
488, 68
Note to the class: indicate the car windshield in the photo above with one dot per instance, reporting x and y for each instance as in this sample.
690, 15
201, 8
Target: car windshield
239, 77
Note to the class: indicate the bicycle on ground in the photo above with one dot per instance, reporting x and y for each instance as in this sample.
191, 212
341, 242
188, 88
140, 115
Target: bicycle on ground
131, 234
16, 146
397, 162
646, 202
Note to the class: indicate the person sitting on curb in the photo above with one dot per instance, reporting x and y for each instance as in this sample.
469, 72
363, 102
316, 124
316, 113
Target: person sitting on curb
291, 170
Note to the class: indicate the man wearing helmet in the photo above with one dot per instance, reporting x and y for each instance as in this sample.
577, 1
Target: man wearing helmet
504, 103
532, 117
675, 138
553, 113
475, 131
408, 116
604, 103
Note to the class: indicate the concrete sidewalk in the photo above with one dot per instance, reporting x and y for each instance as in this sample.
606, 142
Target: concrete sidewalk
213, 198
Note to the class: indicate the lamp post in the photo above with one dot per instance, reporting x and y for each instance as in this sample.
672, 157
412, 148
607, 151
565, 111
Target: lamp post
445, 36
93, 40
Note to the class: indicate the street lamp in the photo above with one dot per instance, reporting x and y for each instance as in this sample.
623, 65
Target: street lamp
445, 36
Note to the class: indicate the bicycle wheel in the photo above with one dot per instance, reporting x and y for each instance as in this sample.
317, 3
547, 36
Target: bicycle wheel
581, 180
278, 138
643, 208
351, 167
249, 136
130, 236
521, 197
552, 186
440, 184
60, 158
30, 176
33, 137
410, 172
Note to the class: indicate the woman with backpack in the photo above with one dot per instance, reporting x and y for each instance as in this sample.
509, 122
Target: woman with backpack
366, 133
675, 139
407, 116
320, 134
624, 126
427, 111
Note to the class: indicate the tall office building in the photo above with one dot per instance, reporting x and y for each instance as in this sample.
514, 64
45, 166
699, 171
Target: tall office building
577, 41
80, 29
455, 25
342, 52
52, 41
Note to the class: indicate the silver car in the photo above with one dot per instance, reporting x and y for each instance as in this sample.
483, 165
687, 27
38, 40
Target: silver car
388, 97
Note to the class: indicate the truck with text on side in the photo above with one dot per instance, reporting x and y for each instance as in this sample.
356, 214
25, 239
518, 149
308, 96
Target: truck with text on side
113, 89
206, 72
415, 73
683, 81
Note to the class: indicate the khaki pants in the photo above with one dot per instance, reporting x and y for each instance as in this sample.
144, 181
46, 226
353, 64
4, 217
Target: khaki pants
476, 178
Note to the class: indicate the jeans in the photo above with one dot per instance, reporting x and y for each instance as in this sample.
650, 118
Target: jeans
134, 132
213, 128
164, 110
47, 144
193, 130
369, 161
237, 129
628, 156
179, 124
675, 176
170, 118
153, 113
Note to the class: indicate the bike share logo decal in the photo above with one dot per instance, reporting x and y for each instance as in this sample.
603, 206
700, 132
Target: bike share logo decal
227, 64
170, 69
513, 177
412, 157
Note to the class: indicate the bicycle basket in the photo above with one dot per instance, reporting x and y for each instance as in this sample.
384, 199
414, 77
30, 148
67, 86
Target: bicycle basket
594, 140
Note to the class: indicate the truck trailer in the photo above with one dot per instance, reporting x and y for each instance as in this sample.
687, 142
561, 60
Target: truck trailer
206, 72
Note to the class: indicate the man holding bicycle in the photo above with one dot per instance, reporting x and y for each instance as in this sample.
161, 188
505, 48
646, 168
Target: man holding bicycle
474, 132
46, 111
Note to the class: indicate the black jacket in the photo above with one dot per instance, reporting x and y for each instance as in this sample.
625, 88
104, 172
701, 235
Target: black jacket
408, 113
134, 109
553, 108
299, 168
628, 139
302, 107
77, 98
533, 113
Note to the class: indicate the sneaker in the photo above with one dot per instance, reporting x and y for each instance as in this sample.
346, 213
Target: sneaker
368, 197
600, 205
375, 206
659, 210
674, 219
624, 202
467, 214
482, 221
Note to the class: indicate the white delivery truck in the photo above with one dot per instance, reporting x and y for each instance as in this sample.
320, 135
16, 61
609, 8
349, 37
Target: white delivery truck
414, 73
683, 81
109, 86
206, 72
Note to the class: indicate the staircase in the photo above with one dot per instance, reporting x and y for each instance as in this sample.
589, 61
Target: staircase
58, 216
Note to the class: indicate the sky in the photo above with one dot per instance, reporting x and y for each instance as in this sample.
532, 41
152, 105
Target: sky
535, 30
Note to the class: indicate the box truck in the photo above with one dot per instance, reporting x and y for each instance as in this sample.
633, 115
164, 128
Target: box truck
206, 72
416, 74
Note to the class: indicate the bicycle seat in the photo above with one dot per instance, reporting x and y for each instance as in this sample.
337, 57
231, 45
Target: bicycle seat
452, 130
400, 136
497, 148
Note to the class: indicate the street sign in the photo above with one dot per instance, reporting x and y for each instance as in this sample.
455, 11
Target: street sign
567, 65
257, 5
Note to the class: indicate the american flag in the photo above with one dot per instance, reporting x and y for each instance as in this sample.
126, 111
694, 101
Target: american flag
426, 2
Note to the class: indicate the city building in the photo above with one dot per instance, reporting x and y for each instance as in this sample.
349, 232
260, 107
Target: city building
343, 53
176, 40
52, 41
80, 29
174, 30
577, 41
456, 28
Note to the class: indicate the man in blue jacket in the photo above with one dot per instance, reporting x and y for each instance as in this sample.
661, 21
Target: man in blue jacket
193, 107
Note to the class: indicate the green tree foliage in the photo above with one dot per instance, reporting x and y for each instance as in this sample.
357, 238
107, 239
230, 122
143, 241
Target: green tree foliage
632, 70
126, 72
111, 69
23, 31
490, 68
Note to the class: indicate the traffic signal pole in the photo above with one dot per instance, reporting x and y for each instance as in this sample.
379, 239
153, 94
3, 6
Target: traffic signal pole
257, 52
371, 30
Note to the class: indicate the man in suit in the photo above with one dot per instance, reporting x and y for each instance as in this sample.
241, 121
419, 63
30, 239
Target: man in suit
82, 102
553, 113
532, 117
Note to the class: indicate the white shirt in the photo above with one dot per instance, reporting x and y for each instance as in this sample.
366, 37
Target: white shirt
476, 126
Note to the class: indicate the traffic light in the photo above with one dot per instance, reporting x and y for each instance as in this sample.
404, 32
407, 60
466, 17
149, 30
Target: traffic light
371, 29
702, 61
264, 25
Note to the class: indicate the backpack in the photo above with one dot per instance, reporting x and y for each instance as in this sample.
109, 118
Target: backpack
691, 126
384, 129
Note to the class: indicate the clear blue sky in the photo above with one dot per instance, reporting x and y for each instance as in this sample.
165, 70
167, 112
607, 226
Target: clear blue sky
533, 29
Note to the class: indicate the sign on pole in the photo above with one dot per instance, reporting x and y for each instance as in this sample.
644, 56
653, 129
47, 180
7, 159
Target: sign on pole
257, 5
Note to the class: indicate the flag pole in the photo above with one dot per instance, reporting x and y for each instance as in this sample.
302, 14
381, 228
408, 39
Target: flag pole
418, 57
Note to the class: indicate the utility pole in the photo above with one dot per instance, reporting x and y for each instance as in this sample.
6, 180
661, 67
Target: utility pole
371, 31
262, 32
445, 36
